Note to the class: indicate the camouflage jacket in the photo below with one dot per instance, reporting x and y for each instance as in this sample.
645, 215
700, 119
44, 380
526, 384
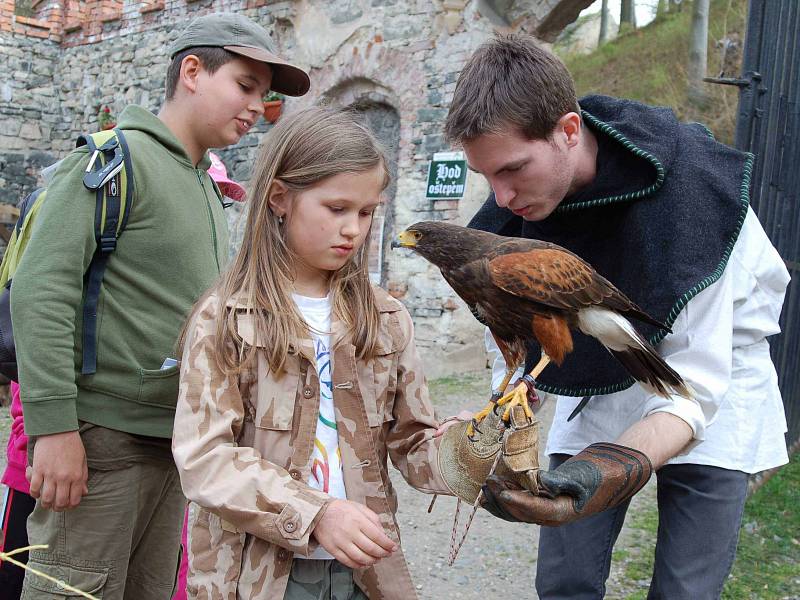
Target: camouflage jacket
243, 443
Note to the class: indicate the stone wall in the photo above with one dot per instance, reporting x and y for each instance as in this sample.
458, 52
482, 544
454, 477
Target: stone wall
395, 60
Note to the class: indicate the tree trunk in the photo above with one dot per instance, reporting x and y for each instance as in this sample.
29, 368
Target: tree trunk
603, 24
698, 52
627, 14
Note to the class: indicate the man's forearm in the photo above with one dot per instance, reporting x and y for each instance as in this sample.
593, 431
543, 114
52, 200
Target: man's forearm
660, 436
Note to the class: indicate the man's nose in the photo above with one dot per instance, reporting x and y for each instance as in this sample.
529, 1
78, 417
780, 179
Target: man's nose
503, 195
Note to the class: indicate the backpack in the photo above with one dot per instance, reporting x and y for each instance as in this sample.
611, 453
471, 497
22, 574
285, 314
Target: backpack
110, 175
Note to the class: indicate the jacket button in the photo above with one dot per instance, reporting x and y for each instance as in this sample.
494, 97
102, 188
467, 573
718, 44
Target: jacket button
289, 527
295, 474
307, 392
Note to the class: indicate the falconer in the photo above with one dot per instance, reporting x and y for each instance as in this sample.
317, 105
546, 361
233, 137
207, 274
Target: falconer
661, 210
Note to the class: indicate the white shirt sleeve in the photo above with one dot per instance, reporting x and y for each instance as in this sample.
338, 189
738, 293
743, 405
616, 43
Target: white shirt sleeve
498, 363
700, 349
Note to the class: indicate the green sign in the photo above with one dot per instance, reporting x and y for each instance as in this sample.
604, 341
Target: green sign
447, 176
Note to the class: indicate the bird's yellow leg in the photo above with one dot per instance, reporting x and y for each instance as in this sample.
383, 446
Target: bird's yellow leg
519, 395
481, 415
543, 362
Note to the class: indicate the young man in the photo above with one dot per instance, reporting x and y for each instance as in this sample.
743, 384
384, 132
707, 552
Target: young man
109, 503
661, 210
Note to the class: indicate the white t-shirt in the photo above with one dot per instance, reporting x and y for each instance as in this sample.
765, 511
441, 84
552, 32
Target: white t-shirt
719, 347
326, 469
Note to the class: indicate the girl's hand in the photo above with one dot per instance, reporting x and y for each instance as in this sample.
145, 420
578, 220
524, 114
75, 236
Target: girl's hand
464, 415
352, 533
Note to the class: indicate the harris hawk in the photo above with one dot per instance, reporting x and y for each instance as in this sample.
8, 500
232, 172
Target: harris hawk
526, 288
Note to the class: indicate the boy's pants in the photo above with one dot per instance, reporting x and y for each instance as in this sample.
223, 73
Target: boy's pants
122, 542
312, 579
699, 514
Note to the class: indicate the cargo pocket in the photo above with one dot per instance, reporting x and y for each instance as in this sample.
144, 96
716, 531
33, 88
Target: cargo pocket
159, 387
277, 397
216, 551
380, 404
91, 580
276, 394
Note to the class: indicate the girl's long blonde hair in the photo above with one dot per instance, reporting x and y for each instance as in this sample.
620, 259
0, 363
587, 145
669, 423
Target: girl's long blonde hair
301, 150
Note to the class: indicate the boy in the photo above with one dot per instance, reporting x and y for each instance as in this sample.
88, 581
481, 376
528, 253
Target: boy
109, 503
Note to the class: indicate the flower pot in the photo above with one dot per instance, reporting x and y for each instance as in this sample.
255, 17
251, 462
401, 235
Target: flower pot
272, 110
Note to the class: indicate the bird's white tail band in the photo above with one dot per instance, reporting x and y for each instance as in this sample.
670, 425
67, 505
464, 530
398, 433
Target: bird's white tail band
635, 353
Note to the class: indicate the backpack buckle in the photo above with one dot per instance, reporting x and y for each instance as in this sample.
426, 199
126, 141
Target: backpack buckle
96, 179
107, 243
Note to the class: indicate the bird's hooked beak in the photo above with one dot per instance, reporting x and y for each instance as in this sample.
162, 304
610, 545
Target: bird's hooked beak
405, 239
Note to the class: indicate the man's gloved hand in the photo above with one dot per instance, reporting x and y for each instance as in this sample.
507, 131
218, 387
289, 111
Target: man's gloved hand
599, 477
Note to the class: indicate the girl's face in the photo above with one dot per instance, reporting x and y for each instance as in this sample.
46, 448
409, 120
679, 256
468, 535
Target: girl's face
327, 223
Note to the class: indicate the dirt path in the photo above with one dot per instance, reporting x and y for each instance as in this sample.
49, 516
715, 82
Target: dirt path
498, 558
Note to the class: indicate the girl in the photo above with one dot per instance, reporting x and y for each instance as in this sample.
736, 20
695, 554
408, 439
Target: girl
298, 379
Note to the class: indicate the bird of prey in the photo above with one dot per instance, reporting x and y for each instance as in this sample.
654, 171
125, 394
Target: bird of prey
526, 289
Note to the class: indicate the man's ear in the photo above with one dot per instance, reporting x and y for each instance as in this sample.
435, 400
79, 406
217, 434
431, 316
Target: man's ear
278, 198
190, 72
570, 124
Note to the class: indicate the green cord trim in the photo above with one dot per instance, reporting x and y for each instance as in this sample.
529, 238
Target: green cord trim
709, 133
628, 145
744, 199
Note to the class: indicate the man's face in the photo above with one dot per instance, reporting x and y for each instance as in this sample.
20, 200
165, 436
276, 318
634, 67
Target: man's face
229, 101
529, 177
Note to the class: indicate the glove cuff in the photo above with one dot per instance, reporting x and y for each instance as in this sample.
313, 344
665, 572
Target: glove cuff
631, 468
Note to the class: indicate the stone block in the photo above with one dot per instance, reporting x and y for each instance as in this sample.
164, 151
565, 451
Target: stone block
9, 127
431, 115
344, 11
452, 21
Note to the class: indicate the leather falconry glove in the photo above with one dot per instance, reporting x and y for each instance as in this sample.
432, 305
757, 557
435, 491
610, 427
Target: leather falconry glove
599, 477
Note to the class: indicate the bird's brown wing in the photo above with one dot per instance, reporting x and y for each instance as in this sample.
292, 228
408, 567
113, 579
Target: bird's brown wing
551, 277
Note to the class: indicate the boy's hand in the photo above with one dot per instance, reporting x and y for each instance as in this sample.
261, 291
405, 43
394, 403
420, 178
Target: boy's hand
464, 415
352, 533
59, 473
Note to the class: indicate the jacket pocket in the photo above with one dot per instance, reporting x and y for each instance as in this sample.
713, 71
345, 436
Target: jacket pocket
216, 551
380, 402
91, 580
159, 387
276, 395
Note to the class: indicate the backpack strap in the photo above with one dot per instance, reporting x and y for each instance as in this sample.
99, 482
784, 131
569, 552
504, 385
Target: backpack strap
109, 174
25, 208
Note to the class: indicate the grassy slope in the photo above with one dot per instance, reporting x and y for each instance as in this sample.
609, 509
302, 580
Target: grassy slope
768, 555
649, 65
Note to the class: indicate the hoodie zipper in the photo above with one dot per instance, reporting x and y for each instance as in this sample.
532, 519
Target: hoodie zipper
210, 218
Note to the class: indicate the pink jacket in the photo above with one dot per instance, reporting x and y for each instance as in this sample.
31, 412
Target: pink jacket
17, 452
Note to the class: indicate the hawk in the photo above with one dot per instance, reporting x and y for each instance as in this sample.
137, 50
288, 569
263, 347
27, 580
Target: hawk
525, 289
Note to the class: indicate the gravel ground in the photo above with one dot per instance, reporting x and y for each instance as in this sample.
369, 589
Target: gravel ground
506, 552
498, 558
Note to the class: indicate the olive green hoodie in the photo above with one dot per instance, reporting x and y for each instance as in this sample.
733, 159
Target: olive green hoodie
172, 249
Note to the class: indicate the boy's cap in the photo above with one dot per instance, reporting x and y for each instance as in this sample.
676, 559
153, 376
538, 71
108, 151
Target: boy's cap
238, 34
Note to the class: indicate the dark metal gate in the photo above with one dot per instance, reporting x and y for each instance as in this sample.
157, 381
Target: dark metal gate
768, 125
